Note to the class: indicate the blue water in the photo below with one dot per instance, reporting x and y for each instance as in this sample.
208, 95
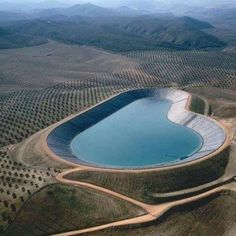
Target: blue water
136, 136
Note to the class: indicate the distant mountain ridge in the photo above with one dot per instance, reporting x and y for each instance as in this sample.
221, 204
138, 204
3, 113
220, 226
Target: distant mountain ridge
10, 39
13, 16
88, 10
116, 30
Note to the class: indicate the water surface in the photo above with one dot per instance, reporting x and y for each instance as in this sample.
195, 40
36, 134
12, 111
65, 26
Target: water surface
136, 136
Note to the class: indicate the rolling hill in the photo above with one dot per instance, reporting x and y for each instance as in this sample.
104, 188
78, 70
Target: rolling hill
122, 33
6, 16
10, 39
88, 10
87, 24
183, 32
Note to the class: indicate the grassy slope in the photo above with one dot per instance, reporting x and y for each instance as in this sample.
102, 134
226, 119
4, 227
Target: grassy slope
61, 208
146, 186
17, 184
223, 101
212, 216
198, 105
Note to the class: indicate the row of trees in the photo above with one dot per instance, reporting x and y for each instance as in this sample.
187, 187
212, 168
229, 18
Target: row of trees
37, 109
198, 59
188, 68
17, 184
24, 113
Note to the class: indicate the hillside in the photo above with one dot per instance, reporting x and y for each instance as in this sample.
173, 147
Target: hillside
10, 39
87, 9
223, 20
52, 63
212, 216
184, 32
38, 108
122, 33
6, 16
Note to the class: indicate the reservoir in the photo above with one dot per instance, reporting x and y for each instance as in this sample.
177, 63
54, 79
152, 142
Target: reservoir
139, 135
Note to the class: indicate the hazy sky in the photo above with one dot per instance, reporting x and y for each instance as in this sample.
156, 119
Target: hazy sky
130, 3
191, 2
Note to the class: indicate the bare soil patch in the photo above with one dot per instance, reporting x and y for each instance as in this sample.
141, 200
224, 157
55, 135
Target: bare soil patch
52, 63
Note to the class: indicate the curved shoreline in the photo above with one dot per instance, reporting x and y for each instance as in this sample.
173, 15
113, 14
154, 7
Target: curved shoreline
179, 113
151, 215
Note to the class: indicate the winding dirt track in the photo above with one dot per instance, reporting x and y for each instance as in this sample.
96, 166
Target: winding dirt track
153, 211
